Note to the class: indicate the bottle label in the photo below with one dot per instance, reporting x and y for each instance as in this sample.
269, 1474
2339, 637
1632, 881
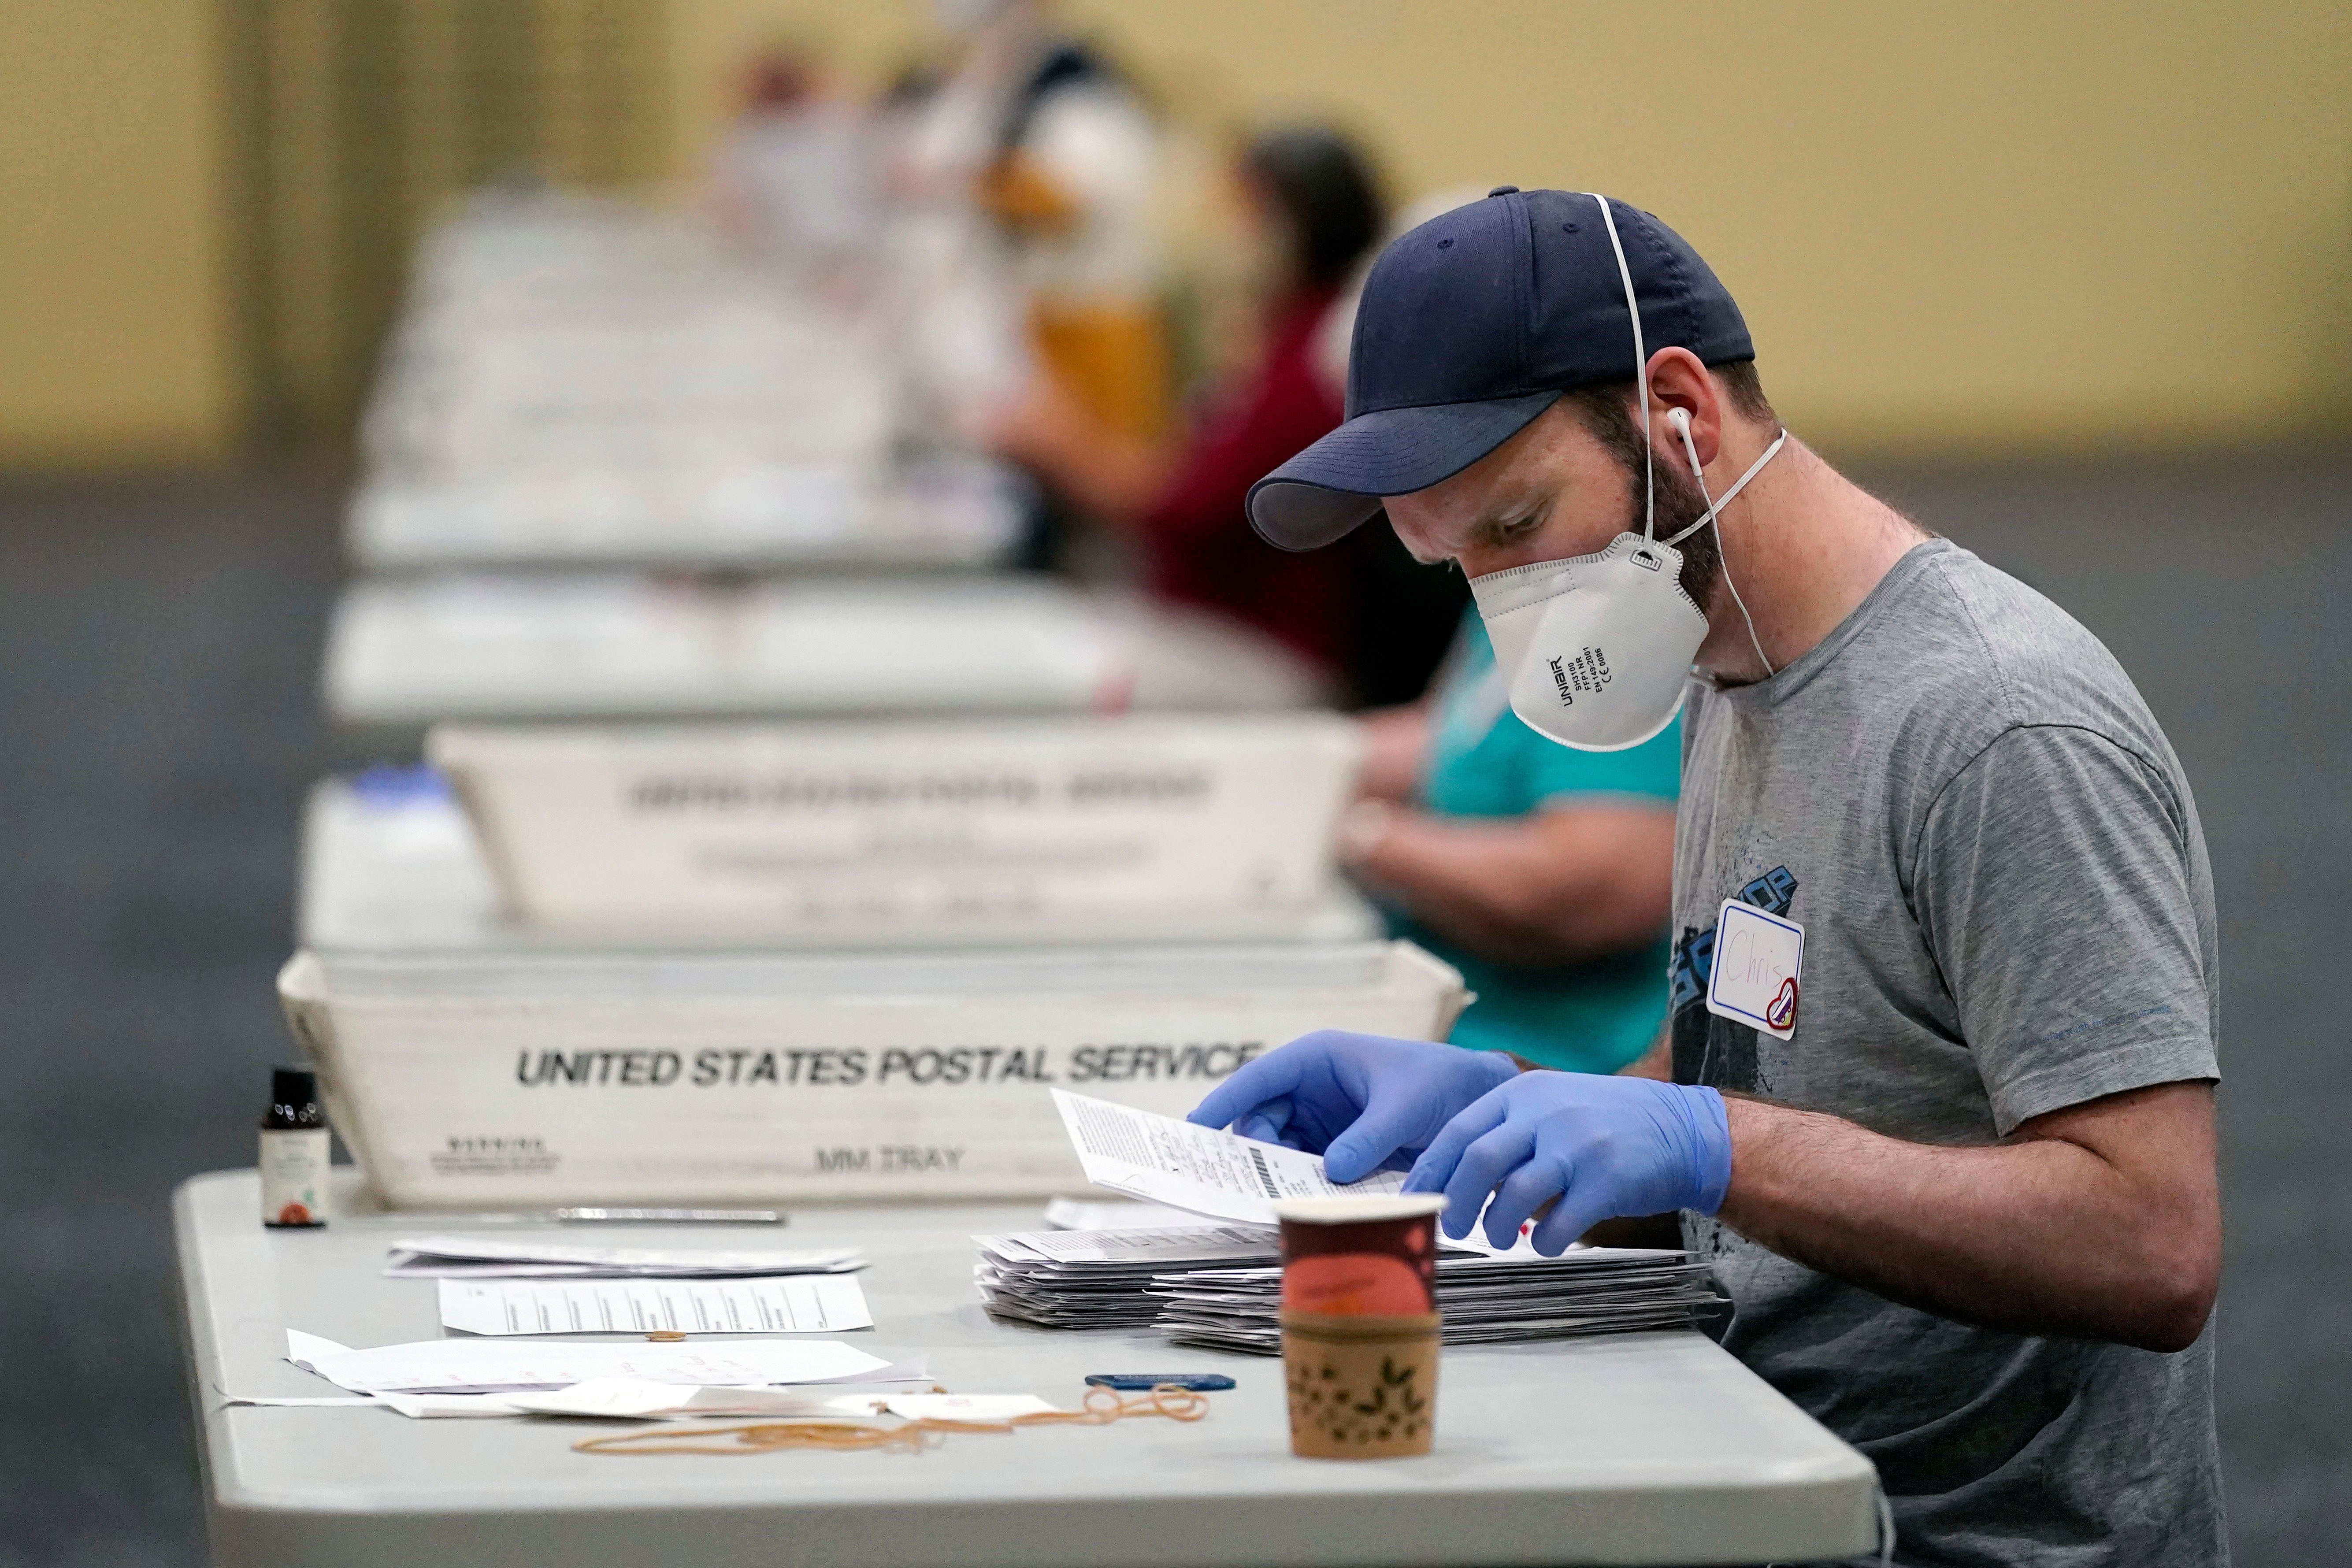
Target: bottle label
294, 1177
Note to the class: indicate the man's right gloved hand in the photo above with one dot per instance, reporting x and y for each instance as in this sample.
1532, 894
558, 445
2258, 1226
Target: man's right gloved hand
1362, 1101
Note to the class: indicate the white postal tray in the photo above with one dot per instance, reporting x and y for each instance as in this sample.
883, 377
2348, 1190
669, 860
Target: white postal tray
533, 1079
593, 646
942, 824
406, 874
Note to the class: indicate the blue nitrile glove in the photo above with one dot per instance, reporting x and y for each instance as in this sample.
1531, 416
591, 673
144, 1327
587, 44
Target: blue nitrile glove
1356, 1099
1606, 1147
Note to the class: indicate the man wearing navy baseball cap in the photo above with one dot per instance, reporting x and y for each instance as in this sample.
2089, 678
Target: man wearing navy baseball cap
1936, 1092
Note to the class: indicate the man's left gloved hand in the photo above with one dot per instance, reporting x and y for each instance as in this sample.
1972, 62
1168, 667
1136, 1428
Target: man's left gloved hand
1606, 1147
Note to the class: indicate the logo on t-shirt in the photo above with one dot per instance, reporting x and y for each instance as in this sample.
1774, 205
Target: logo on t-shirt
1709, 1048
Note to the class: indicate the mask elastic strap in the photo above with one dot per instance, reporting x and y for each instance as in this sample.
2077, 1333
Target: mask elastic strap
1641, 370
1715, 504
1715, 515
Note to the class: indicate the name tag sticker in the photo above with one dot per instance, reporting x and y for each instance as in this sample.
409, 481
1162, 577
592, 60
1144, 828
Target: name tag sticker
1759, 961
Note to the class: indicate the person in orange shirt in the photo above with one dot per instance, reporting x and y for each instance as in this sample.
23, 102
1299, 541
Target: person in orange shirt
1041, 165
1314, 206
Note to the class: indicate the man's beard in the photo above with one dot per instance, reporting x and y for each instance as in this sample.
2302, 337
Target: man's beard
1680, 504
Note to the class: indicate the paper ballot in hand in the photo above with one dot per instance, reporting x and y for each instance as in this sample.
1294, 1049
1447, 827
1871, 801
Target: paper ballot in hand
1201, 1169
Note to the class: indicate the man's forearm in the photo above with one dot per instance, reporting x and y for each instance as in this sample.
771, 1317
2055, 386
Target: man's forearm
1555, 888
1396, 751
2045, 1235
1657, 1062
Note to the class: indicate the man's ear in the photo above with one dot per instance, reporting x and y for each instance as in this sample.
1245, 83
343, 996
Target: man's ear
1678, 380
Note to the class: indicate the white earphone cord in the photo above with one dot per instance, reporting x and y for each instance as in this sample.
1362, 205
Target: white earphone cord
1715, 515
1649, 472
1640, 371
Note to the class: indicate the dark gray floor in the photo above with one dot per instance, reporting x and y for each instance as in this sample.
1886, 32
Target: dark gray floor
157, 646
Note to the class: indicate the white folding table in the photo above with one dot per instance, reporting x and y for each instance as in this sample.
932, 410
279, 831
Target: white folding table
1655, 1447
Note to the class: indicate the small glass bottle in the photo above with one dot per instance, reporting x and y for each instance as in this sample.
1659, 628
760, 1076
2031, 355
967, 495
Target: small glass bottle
294, 1152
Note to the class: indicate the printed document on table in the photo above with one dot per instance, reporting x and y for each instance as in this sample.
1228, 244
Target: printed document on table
1196, 1244
787, 1304
1202, 1169
497, 1365
478, 1256
1115, 1214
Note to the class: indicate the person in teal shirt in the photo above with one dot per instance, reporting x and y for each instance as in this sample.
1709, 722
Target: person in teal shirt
1543, 873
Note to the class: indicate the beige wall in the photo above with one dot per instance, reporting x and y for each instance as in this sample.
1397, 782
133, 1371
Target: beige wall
114, 299
2004, 225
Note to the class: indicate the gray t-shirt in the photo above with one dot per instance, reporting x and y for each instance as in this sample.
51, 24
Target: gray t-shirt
2007, 909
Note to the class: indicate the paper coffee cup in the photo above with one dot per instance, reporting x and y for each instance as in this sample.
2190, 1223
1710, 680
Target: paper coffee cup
1360, 1257
1360, 1331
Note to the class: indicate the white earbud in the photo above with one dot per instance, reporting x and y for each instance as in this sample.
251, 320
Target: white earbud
1680, 419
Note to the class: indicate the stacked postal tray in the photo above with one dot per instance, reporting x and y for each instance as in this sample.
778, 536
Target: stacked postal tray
544, 1079
789, 854
615, 472
1147, 830
590, 380
884, 943
404, 652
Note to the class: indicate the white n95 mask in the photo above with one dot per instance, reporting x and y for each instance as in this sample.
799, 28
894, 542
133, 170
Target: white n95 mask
1595, 651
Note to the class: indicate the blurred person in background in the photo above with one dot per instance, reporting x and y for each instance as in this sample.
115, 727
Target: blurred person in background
1312, 210
1543, 873
1034, 167
796, 174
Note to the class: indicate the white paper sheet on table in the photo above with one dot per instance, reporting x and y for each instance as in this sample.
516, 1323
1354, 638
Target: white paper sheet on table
1201, 1169
404, 1268
448, 1406
1115, 1214
792, 1304
501, 1365
1194, 1244
413, 1406
478, 1256
632, 1399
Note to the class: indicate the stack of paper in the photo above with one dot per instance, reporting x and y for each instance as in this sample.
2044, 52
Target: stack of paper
1098, 1278
1518, 1295
1221, 1284
498, 1257
1115, 1214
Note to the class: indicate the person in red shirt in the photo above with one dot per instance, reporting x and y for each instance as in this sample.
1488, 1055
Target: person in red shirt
1366, 615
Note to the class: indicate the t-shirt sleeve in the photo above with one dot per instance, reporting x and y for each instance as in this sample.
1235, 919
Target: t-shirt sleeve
2053, 884
1560, 775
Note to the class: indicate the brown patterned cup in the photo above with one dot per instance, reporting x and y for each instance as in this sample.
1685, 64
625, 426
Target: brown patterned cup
1359, 1324
1360, 1387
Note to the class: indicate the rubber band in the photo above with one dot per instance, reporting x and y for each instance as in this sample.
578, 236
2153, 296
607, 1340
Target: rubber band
1101, 1407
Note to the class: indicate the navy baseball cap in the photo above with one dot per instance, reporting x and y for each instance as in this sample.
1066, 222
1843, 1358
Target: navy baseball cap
1473, 324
